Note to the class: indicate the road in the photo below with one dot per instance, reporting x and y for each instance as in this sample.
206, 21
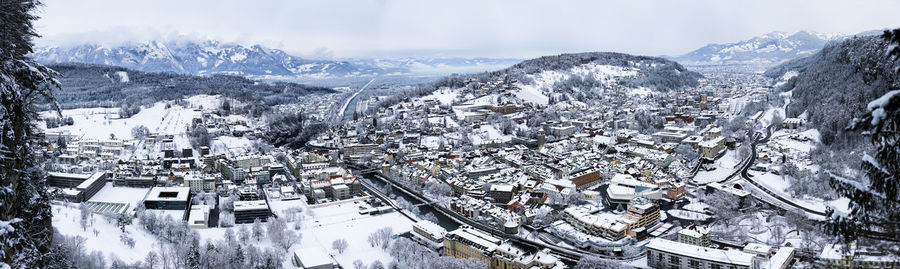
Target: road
792, 206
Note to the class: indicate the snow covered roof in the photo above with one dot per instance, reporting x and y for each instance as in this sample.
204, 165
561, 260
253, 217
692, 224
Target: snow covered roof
431, 228
250, 205
709, 254
312, 257
168, 194
477, 238
695, 231
502, 187
89, 181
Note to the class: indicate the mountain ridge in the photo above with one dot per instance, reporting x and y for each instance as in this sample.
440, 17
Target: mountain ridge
212, 57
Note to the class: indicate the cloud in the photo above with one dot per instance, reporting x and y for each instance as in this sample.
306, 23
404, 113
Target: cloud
527, 28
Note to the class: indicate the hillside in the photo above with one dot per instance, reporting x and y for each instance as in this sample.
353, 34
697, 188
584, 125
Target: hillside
579, 79
213, 57
832, 86
86, 85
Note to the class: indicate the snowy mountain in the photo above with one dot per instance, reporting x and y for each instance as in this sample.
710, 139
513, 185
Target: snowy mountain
768, 49
212, 57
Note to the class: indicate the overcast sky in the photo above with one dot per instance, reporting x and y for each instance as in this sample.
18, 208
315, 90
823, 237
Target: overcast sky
482, 28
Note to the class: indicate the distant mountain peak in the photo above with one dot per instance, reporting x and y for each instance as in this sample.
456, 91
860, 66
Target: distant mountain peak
210, 57
766, 50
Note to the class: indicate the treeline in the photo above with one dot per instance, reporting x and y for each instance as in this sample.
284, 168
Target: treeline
90, 85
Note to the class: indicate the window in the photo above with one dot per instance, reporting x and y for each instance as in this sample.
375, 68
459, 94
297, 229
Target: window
693, 263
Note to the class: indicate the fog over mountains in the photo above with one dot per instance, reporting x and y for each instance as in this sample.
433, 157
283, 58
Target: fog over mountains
213, 57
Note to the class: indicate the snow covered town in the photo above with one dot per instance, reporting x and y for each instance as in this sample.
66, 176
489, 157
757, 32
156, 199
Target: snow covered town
389, 136
480, 173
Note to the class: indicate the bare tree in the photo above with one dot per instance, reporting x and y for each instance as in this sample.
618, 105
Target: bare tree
340, 245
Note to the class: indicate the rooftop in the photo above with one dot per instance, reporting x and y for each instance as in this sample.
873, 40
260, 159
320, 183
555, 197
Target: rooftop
313, 257
168, 194
250, 205
709, 254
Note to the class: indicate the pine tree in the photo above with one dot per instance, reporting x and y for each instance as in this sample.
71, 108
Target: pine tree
25, 217
874, 206
193, 259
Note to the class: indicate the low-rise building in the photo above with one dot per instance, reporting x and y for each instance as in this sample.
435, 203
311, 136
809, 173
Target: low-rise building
429, 233
249, 211
695, 235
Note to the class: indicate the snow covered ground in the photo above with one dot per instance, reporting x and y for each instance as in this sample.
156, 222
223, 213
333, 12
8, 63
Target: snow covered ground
66, 219
488, 134
322, 225
444, 96
687, 215
725, 166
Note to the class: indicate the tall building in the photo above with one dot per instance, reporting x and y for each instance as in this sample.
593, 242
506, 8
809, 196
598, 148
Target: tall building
642, 214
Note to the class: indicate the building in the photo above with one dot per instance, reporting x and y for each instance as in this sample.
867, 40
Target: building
199, 217
502, 193
429, 233
137, 182
585, 178
168, 198
249, 211
792, 123
340, 192
467, 242
695, 235
711, 149
77, 187
642, 214
662, 253
200, 183
843, 256
313, 258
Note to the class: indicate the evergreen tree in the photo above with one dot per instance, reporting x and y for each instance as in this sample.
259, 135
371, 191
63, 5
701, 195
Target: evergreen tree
193, 259
875, 200
25, 217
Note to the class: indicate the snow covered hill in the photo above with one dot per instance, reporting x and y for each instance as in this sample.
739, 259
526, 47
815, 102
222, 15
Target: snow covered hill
768, 49
213, 57
565, 80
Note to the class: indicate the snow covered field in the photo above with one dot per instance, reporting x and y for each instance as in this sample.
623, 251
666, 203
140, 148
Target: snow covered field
66, 220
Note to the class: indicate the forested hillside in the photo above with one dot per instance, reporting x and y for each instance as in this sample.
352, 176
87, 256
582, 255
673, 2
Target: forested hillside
86, 85
835, 85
